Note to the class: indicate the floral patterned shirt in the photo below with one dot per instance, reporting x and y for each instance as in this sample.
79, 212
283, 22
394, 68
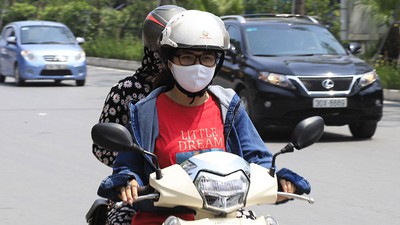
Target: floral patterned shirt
131, 88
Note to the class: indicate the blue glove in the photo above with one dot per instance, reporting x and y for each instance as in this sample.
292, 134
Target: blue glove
302, 185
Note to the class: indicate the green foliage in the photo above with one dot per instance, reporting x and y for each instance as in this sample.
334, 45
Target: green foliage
112, 31
383, 8
268, 6
325, 11
109, 22
389, 72
217, 7
75, 14
127, 48
230, 6
390, 76
18, 12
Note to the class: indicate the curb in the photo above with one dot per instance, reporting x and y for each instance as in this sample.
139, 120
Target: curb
113, 63
391, 95
388, 94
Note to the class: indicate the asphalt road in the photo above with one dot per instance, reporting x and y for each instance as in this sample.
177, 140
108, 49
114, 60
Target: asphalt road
49, 175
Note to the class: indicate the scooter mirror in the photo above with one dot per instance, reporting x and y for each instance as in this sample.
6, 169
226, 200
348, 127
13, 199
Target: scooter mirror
307, 132
112, 136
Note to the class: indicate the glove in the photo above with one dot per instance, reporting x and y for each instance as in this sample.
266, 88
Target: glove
302, 185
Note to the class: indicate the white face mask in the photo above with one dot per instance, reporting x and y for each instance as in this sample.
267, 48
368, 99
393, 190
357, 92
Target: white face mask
192, 78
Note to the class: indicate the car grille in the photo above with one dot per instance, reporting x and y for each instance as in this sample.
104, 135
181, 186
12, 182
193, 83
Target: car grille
317, 84
55, 58
56, 72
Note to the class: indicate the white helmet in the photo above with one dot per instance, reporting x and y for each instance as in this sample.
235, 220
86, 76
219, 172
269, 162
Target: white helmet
195, 29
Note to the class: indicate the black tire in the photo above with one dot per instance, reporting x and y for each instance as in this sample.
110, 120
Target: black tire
246, 101
2, 78
80, 83
363, 129
17, 77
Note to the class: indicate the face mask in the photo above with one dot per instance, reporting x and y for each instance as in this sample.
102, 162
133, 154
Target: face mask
192, 78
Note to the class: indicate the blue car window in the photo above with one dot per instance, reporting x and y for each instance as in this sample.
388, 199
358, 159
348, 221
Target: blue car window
46, 35
288, 40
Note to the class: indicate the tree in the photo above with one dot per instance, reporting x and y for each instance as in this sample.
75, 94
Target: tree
19, 11
387, 12
217, 7
299, 7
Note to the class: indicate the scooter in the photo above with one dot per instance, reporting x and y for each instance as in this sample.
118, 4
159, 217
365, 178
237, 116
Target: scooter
214, 184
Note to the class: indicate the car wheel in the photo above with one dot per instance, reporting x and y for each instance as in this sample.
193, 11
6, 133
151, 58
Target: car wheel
364, 129
246, 101
18, 80
2, 78
80, 83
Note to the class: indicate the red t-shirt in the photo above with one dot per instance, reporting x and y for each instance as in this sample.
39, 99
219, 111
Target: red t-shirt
148, 218
183, 132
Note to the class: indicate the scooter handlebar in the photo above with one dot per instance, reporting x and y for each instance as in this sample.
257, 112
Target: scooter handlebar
144, 192
300, 197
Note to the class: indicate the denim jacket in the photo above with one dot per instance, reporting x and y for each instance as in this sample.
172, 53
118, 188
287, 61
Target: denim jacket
241, 139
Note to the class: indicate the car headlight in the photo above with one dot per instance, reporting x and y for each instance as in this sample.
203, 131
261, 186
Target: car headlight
276, 79
29, 56
368, 78
222, 194
80, 56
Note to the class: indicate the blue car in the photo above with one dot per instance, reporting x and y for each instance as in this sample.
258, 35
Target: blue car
41, 50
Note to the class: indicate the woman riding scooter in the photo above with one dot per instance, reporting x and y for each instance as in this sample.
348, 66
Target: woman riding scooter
185, 116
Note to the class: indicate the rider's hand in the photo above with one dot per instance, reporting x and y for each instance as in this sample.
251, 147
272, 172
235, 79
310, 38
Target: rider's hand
129, 193
288, 187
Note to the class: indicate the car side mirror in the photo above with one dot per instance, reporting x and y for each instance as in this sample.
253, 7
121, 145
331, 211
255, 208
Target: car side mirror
80, 40
11, 40
354, 48
233, 51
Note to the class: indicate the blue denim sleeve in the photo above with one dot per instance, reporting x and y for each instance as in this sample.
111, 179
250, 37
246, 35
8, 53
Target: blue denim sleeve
127, 166
302, 185
253, 148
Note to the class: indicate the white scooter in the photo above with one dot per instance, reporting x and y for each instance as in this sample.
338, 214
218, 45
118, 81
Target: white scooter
213, 184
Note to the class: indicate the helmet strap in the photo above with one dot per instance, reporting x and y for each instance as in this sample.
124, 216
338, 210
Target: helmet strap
219, 65
191, 94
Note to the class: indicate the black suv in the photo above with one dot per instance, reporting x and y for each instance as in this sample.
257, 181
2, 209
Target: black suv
288, 67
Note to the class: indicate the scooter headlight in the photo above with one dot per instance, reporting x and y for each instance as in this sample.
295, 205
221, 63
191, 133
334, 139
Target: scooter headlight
172, 220
222, 194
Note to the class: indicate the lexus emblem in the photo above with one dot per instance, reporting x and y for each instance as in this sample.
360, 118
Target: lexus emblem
328, 84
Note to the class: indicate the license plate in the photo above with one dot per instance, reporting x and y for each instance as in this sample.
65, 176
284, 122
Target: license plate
56, 66
330, 102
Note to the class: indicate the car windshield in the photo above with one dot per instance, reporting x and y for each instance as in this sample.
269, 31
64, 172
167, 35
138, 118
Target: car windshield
46, 35
288, 39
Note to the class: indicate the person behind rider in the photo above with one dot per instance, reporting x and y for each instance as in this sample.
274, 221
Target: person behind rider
134, 88
171, 120
138, 85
